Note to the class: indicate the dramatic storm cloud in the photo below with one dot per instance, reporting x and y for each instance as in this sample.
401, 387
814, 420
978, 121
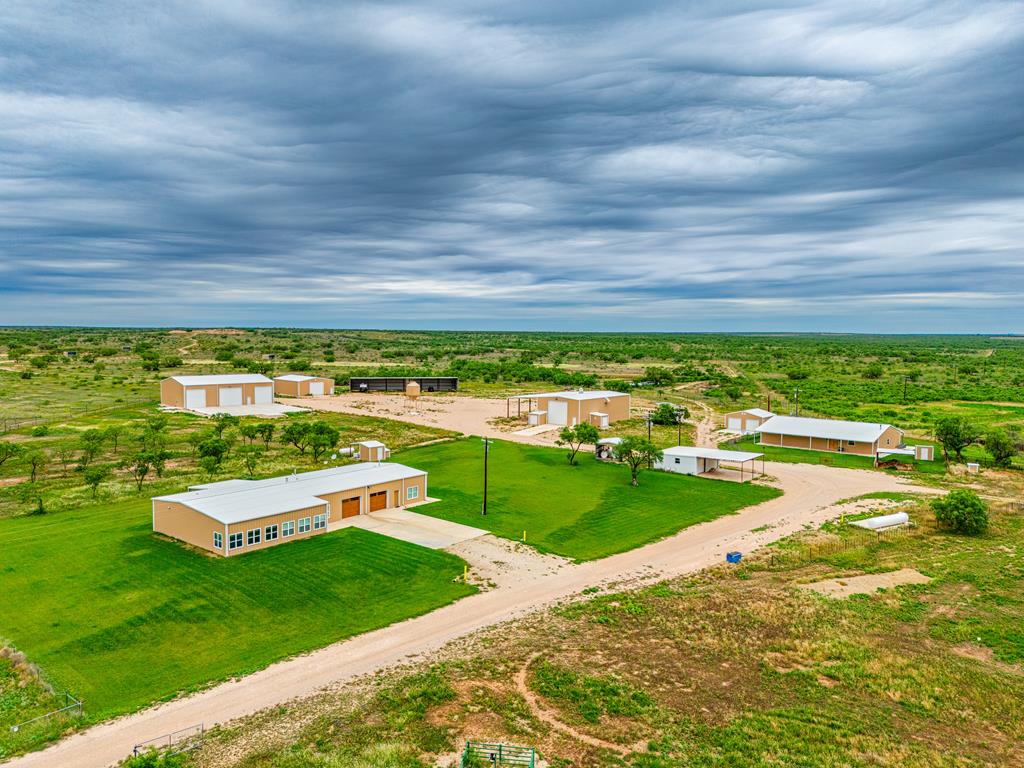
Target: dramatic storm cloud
582, 165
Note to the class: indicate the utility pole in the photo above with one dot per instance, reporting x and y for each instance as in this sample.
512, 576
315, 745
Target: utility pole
905, 380
487, 450
796, 397
649, 422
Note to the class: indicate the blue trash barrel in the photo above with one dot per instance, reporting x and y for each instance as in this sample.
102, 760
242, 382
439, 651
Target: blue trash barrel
733, 557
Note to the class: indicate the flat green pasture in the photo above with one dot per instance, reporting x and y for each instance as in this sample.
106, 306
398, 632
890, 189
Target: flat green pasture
585, 512
121, 617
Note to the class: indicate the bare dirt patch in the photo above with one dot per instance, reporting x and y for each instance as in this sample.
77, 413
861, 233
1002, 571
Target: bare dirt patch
867, 584
986, 656
496, 562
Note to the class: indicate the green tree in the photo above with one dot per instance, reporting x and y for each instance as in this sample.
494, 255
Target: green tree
37, 461
296, 433
1001, 446
955, 433
66, 457
138, 465
251, 455
209, 465
576, 437
961, 511
95, 475
659, 377
213, 448
635, 452
320, 438
266, 432
112, 434
9, 451
222, 421
668, 415
91, 445
251, 432
874, 371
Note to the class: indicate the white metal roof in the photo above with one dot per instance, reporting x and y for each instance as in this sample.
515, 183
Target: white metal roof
235, 501
759, 412
573, 394
800, 426
370, 443
609, 441
222, 378
693, 451
293, 377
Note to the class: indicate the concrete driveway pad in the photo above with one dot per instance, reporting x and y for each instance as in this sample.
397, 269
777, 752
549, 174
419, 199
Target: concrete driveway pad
426, 531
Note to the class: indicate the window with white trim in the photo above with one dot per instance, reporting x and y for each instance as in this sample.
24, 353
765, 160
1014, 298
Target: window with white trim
270, 533
235, 541
252, 536
851, 442
319, 521
218, 540
412, 492
287, 529
304, 525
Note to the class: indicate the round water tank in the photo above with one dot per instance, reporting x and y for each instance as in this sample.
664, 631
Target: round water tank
412, 389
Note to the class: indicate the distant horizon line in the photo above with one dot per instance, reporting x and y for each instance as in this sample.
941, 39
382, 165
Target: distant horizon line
192, 328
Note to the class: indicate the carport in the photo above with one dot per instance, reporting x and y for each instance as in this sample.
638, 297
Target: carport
695, 460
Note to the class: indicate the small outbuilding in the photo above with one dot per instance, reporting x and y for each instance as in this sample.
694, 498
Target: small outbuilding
694, 460
746, 422
598, 407
216, 391
399, 383
370, 450
300, 385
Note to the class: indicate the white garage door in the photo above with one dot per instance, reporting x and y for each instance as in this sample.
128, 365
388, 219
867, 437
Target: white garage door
558, 412
316, 387
195, 398
230, 396
264, 395
735, 425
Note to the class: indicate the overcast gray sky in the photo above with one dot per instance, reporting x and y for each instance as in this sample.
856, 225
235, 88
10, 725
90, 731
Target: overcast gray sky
583, 164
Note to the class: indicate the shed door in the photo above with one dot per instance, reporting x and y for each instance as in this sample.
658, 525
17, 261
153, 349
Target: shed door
316, 387
230, 396
264, 394
558, 412
735, 425
195, 398
350, 507
378, 500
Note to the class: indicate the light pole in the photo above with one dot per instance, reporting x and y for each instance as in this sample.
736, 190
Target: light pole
487, 450
649, 422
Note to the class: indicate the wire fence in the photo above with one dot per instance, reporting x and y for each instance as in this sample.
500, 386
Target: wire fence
12, 423
72, 708
175, 742
814, 550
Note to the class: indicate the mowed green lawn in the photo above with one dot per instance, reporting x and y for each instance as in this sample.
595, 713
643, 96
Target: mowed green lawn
121, 618
584, 512
829, 458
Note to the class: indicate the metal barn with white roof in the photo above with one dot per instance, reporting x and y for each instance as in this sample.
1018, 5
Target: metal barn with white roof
300, 385
216, 391
599, 407
860, 437
235, 516
746, 422
695, 460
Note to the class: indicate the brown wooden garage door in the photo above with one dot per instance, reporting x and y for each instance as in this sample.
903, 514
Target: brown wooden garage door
378, 500
350, 507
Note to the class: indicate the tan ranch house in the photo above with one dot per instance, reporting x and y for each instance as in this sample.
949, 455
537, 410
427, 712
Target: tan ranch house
232, 517
216, 391
298, 385
859, 437
599, 407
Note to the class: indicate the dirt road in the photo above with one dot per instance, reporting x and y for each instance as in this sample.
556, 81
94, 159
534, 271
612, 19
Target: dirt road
810, 491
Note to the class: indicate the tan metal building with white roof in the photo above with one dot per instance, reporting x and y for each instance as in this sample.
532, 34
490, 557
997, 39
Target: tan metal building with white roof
216, 391
236, 516
746, 422
859, 437
300, 385
599, 407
